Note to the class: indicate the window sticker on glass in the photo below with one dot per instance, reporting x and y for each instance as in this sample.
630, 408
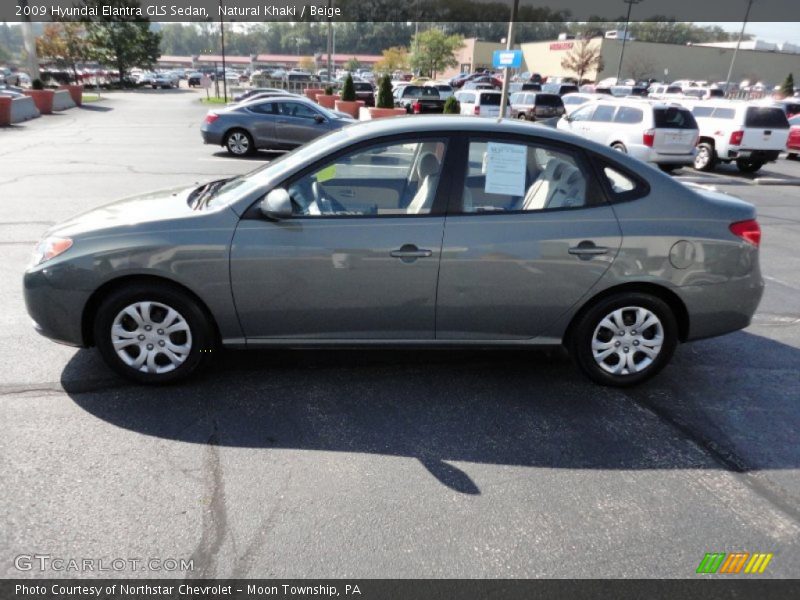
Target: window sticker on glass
505, 169
327, 173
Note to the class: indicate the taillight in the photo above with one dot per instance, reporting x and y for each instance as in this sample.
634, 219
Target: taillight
736, 138
211, 117
749, 231
476, 110
416, 107
648, 137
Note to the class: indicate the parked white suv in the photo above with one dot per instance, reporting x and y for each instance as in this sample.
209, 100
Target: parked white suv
481, 103
664, 134
749, 134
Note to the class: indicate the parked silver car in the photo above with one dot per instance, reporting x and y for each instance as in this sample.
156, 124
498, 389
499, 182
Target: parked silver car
275, 123
412, 231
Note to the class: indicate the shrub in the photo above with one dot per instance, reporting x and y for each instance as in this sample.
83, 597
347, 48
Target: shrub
37, 84
452, 106
787, 89
328, 90
348, 90
385, 98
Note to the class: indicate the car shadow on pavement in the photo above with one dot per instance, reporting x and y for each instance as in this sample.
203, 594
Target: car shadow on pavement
95, 108
259, 156
735, 397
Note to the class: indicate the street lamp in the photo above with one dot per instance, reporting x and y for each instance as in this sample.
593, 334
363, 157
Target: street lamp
630, 4
224, 69
738, 43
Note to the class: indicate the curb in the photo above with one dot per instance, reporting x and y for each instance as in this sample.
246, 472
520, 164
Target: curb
734, 181
776, 181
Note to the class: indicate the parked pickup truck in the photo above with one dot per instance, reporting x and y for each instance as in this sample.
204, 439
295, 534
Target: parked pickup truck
419, 99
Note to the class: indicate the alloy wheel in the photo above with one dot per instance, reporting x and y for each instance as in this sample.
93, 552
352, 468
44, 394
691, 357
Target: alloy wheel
238, 143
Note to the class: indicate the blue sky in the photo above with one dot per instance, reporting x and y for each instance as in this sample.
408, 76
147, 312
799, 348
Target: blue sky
769, 32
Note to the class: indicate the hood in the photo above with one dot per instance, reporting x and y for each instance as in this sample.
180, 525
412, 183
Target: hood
130, 212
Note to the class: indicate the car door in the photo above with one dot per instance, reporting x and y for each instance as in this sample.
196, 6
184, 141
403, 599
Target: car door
578, 121
600, 127
297, 123
527, 236
261, 123
349, 267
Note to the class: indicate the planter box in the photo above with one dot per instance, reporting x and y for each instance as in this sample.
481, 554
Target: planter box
327, 101
5, 111
43, 100
22, 109
62, 100
311, 93
351, 107
75, 92
381, 113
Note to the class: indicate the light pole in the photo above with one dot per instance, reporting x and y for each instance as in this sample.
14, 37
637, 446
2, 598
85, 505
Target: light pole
630, 4
330, 42
738, 43
224, 69
507, 74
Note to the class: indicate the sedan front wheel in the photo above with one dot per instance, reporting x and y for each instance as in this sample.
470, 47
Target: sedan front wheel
625, 339
153, 333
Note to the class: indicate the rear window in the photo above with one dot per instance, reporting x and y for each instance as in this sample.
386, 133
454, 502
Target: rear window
674, 89
758, 116
362, 87
674, 118
628, 114
724, 113
568, 89
490, 99
548, 100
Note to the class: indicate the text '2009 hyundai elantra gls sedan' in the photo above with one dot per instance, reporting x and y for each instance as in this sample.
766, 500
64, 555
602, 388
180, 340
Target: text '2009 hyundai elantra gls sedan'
413, 231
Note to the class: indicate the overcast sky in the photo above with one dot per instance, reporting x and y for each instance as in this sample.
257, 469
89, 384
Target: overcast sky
769, 32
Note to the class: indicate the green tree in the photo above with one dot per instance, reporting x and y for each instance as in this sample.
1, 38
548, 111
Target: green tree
352, 65
452, 106
65, 43
121, 41
434, 51
348, 89
394, 59
787, 89
385, 98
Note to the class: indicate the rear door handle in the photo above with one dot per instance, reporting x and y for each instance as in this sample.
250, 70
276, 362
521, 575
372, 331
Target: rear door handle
410, 253
586, 250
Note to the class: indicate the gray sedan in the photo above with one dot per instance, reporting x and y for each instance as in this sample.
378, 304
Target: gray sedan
412, 231
273, 123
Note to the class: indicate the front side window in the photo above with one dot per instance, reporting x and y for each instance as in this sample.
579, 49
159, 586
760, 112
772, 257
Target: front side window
584, 113
397, 178
522, 177
295, 109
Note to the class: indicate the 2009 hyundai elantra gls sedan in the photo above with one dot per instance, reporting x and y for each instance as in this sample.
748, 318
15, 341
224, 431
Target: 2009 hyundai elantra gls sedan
412, 231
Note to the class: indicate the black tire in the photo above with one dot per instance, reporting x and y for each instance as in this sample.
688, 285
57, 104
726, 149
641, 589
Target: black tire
748, 166
619, 147
235, 144
791, 156
583, 333
201, 331
522, 116
706, 158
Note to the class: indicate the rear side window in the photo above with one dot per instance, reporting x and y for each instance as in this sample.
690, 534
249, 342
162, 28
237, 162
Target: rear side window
724, 113
628, 114
517, 98
762, 116
674, 118
490, 99
604, 113
468, 98
702, 111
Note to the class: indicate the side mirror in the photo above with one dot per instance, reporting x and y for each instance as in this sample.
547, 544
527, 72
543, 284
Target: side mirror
276, 205
319, 118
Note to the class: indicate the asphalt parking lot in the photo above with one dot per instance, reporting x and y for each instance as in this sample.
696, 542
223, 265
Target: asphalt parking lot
380, 464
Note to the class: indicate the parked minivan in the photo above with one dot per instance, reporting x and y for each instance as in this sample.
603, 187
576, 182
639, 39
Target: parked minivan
749, 134
664, 134
534, 106
560, 88
481, 103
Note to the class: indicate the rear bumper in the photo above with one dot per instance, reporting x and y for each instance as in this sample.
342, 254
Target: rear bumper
211, 137
719, 308
755, 155
652, 155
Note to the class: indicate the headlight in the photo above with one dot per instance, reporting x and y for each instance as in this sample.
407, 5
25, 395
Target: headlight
50, 248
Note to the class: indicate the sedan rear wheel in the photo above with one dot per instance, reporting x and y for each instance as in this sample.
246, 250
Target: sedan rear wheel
153, 334
239, 143
624, 339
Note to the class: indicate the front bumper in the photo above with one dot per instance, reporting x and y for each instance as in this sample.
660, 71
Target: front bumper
56, 311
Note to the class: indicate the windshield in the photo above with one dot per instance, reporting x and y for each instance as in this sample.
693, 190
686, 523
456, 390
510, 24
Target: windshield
226, 192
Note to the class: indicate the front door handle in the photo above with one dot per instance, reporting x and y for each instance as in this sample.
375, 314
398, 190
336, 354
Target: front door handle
587, 249
410, 253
